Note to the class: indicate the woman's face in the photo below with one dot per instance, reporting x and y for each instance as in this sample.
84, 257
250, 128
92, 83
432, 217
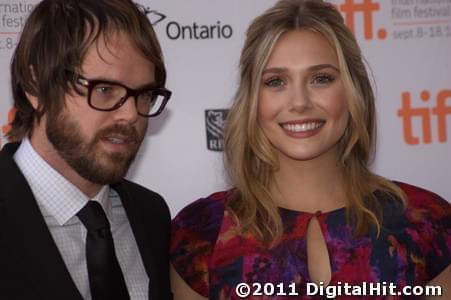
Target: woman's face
302, 108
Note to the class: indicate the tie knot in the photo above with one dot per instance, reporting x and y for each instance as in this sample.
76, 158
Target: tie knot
93, 216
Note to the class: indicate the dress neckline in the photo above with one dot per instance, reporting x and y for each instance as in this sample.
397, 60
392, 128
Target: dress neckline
317, 213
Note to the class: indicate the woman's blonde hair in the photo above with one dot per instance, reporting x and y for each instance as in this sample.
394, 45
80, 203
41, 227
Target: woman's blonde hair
249, 156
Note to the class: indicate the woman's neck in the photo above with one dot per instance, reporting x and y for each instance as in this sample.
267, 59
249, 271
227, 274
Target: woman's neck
311, 185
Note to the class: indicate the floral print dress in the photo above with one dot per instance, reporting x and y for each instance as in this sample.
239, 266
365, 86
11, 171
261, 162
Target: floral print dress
412, 248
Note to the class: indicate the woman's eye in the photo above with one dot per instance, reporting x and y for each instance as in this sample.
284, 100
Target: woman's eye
322, 79
274, 82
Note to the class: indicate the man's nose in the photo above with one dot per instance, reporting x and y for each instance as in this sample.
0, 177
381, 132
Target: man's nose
128, 111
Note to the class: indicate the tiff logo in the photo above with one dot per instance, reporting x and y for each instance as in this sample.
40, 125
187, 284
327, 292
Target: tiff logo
214, 122
441, 110
367, 8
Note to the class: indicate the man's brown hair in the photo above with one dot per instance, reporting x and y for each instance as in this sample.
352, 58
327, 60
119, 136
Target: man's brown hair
55, 39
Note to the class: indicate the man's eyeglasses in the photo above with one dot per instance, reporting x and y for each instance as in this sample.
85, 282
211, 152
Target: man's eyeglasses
106, 95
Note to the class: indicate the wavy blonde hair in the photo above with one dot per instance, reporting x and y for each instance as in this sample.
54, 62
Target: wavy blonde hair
249, 156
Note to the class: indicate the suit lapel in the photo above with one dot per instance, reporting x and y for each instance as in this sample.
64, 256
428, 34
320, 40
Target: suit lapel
25, 230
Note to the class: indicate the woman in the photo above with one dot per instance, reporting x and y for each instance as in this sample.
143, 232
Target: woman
305, 207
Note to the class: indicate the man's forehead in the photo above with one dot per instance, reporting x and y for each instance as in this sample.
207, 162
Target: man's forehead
115, 57
111, 45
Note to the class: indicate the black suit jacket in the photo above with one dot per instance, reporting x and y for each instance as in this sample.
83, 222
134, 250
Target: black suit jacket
31, 266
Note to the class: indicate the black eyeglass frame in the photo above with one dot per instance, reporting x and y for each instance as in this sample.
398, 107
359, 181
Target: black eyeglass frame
91, 83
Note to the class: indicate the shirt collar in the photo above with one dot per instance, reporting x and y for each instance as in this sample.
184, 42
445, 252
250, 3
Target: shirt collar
59, 197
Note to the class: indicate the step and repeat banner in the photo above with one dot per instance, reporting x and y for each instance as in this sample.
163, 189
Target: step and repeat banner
407, 44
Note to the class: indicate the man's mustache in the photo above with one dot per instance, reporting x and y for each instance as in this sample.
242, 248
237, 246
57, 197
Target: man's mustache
128, 132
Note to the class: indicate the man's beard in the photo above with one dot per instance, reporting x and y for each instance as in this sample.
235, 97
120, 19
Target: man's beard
87, 157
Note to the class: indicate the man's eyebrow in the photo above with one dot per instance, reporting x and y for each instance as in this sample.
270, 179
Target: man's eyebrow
152, 84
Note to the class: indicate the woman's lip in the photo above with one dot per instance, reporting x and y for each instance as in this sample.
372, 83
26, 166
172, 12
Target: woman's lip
302, 128
303, 121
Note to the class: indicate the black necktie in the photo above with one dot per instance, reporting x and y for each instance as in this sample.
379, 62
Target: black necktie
105, 276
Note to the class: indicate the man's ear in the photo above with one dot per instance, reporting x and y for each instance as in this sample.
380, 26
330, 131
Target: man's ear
33, 100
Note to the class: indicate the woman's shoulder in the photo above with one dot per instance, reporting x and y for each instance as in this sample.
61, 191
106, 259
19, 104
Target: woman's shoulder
422, 201
421, 207
200, 221
203, 213
423, 227
195, 230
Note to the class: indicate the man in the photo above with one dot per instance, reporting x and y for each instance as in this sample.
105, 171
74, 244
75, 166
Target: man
86, 76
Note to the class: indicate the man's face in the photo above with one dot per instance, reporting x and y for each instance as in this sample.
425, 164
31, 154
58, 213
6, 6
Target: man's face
98, 145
